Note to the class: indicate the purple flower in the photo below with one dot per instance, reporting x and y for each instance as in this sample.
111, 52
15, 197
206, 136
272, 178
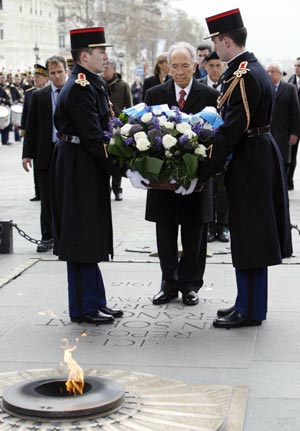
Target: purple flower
129, 141
135, 129
107, 134
158, 142
155, 122
183, 140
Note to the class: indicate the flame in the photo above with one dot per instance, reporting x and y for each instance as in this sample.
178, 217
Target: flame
75, 382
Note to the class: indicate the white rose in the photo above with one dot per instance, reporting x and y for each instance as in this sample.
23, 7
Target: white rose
125, 129
201, 150
168, 125
169, 141
162, 120
142, 144
146, 117
168, 153
183, 127
112, 141
190, 134
139, 135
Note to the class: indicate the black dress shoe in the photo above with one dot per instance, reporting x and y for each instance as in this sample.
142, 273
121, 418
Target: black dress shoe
35, 199
110, 312
190, 298
223, 236
225, 311
45, 246
210, 237
96, 318
118, 197
235, 320
164, 297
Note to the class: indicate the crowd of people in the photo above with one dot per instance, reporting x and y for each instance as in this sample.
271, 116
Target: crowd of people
244, 183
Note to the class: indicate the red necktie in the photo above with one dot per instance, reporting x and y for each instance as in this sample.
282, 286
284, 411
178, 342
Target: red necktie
181, 99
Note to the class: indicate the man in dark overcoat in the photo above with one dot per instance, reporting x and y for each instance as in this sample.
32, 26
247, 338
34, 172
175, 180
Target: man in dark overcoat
81, 168
294, 79
170, 210
40, 79
259, 218
39, 141
285, 123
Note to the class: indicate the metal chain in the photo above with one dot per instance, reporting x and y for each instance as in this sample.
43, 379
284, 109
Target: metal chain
295, 227
24, 235
37, 241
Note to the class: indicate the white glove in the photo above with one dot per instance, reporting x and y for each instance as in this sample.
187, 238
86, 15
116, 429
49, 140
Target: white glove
137, 180
183, 191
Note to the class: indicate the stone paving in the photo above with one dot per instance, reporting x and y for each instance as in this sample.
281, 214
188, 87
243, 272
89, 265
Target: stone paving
172, 341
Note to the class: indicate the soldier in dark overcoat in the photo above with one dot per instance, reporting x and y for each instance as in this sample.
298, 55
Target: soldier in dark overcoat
259, 218
81, 169
170, 210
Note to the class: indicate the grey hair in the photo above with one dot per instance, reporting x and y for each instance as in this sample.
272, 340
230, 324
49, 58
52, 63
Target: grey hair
183, 46
277, 66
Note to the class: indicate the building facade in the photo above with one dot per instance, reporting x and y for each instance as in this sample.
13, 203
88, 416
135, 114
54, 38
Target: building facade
28, 33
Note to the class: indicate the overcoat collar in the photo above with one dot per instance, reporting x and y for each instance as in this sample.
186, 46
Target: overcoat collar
234, 64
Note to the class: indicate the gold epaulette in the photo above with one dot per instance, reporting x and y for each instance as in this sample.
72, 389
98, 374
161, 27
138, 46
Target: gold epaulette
81, 80
242, 69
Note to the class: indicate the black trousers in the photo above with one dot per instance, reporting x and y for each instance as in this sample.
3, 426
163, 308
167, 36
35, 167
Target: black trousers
292, 165
183, 272
36, 182
220, 205
116, 184
43, 176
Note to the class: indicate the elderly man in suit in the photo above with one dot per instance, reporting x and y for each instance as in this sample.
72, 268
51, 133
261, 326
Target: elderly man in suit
285, 124
170, 210
40, 138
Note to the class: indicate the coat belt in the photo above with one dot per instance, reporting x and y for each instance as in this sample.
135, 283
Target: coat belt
256, 131
70, 139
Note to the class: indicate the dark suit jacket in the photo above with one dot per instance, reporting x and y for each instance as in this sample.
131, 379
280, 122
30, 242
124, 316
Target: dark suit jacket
285, 118
150, 82
38, 138
164, 206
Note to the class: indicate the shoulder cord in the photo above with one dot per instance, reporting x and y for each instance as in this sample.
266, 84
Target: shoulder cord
228, 92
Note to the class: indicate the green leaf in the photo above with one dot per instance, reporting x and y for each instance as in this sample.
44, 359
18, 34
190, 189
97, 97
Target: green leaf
120, 150
191, 164
149, 167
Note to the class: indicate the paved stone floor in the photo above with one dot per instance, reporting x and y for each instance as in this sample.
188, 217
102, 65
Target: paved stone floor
172, 341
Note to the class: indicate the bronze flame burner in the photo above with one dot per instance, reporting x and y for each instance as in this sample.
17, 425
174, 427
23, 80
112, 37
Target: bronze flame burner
48, 398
